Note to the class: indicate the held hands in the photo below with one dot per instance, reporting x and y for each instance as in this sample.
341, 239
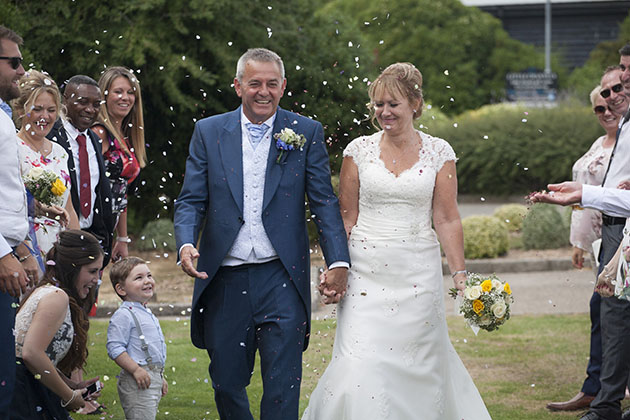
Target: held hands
142, 378
332, 284
187, 257
564, 194
624, 185
120, 250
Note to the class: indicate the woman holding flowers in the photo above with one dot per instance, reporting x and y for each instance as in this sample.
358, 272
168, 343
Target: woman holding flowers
44, 164
392, 356
121, 127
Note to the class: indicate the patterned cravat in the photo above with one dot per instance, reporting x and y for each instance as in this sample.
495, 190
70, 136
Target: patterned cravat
256, 133
6, 108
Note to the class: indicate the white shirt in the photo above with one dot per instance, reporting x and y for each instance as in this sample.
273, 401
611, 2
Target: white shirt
620, 162
612, 201
13, 209
73, 133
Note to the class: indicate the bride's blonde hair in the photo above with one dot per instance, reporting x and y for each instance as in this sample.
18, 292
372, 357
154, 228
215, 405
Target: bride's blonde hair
399, 80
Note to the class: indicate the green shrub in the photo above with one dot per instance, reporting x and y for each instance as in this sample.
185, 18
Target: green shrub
512, 216
484, 237
544, 228
157, 235
505, 149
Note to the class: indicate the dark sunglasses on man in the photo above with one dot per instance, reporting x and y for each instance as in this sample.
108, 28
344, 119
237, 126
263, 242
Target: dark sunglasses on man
14, 62
600, 109
606, 92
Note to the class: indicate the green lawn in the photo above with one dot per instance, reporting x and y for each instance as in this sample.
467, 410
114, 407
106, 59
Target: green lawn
530, 361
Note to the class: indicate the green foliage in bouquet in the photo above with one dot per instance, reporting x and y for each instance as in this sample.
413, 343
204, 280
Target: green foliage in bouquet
486, 301
484, 237
45, 186
544, 228
512, 216
157, 235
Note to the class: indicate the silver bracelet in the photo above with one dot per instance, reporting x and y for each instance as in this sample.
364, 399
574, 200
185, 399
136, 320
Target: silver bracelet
74, 394
459, 272
124, 239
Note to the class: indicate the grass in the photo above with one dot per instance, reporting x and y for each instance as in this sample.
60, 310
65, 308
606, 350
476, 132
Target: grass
530, 361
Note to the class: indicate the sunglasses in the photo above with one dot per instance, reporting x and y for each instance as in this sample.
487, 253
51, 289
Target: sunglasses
14, 62
606, 92
599, 109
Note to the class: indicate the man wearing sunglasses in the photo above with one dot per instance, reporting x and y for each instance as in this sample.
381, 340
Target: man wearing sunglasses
13, 214
624, 64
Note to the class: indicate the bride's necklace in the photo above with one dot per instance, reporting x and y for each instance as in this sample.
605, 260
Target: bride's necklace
403, 151
42, 150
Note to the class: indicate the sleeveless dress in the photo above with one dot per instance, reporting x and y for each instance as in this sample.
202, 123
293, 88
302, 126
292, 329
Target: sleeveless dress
31, 399
392, 357
46, 229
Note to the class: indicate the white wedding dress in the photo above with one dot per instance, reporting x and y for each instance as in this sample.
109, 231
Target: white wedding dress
392, 357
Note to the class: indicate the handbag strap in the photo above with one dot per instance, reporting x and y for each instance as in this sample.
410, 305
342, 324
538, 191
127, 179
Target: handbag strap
143, 344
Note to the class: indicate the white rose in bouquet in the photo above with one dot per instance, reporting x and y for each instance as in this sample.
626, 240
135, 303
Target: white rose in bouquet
498, 309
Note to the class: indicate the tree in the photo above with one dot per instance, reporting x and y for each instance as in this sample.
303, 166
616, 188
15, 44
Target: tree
184, 53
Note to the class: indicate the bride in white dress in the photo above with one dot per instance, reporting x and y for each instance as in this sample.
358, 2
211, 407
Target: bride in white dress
392, 357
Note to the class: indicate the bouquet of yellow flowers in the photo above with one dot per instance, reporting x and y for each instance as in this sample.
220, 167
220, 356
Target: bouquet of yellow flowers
486, 301
46, 187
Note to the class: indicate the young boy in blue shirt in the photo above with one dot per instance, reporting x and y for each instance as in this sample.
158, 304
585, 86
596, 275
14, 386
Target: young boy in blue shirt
135, 341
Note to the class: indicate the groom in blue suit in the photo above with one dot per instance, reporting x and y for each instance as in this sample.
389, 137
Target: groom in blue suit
243, 202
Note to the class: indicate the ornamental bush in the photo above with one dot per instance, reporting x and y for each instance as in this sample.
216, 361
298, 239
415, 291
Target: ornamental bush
544, 228
157, 235
512, 216
506, 149
484, 237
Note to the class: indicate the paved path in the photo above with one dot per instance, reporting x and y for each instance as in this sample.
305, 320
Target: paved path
535, 292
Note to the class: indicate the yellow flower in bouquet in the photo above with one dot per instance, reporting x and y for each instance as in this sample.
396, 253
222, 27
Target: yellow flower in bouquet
58, 188
485, 301
478, 306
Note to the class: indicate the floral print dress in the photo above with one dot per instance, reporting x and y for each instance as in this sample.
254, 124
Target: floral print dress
121, 168
46, 229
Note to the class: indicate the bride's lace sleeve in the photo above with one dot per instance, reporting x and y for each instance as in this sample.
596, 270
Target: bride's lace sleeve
356, 150
442, 152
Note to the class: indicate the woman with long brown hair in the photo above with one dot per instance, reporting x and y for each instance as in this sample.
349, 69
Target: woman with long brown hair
51, 329
120, 125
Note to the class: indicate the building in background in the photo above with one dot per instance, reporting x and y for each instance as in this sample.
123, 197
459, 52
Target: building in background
577, 25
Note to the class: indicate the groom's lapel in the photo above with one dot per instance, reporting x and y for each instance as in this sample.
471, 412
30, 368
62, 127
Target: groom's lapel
274, 169
232, 156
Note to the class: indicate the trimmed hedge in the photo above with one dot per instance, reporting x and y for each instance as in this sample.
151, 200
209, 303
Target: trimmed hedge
484, 237
157, 235
505, 149
545, 227
512, 216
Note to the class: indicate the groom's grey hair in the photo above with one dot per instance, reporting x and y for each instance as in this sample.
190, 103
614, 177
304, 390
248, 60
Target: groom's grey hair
260, 55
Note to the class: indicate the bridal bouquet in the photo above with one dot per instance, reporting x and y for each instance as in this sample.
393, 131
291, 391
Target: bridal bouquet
46, 186
486, 302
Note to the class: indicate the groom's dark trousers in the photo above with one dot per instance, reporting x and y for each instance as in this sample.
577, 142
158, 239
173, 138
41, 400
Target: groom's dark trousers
247, 308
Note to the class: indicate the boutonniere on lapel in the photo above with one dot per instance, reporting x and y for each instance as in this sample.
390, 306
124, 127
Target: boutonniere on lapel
287, 140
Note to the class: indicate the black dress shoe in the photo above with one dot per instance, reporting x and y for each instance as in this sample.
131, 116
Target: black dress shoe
626, 415
591, 416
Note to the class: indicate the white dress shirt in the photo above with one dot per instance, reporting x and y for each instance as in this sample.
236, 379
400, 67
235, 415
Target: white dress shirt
612, 201
13, 209
619, 169
73, 133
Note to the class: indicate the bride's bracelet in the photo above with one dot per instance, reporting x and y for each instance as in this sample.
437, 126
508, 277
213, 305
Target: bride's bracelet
459, 272
65, 404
